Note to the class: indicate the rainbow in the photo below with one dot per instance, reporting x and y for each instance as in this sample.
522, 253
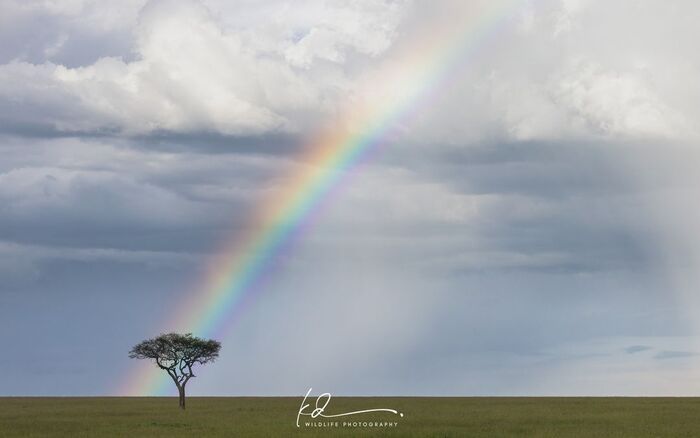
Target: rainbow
418, 79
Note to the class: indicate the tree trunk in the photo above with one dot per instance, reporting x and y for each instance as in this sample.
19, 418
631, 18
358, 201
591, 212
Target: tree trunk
181, 390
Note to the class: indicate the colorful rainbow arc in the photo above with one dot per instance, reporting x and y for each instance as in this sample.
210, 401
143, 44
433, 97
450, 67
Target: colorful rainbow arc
424, 74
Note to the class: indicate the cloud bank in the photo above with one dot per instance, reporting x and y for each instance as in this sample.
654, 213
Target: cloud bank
534, 224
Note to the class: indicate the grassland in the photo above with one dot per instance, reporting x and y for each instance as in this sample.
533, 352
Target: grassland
424, 417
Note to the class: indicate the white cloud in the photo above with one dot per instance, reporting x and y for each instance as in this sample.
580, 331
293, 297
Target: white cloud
564, 18
192, 73
615, 104
104, 16
573, 69
368, 27
245, 68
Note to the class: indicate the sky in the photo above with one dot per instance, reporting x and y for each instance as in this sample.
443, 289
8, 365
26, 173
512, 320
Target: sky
530, 230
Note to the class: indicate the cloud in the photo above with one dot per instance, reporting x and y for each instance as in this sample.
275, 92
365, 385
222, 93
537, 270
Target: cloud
190, 73
78, 193
616, 104
102, 196
28, 257
72, 33
637, 348
667, 354
587, 78
527, 230
249, 69
366, 27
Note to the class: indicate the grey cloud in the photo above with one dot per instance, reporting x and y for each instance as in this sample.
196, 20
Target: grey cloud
77, 36
547, 169
565, 202
496, 243
666, 354
212, 143
110, 195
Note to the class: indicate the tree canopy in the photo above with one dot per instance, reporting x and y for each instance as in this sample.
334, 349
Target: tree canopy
177, 354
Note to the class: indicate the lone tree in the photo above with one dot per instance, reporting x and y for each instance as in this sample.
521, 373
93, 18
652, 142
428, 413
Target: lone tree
177, 354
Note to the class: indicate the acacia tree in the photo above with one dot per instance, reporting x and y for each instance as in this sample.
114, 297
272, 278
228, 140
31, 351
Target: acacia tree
177, 354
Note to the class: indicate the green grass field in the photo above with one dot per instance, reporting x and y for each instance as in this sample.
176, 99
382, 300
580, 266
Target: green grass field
424, 417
